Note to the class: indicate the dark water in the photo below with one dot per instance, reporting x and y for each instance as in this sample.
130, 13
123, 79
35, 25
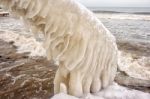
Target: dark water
134, 30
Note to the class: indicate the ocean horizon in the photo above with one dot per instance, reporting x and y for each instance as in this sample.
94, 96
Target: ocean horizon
136, 10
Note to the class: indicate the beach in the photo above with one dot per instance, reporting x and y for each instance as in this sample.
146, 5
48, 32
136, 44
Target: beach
26, 73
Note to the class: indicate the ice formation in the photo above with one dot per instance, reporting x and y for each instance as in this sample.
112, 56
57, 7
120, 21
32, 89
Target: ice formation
85, 50
24, 44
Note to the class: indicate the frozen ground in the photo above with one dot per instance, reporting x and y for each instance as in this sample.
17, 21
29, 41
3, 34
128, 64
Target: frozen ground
133, 39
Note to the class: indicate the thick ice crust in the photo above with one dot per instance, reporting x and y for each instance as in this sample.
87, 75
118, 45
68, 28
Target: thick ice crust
85, 50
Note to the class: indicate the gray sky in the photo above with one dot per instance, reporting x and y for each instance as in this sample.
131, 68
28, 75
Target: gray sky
115, 3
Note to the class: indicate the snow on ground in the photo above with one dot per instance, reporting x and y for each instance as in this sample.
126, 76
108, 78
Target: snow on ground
112, 92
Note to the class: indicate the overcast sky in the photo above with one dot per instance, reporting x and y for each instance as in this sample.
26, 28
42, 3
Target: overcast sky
115, 3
